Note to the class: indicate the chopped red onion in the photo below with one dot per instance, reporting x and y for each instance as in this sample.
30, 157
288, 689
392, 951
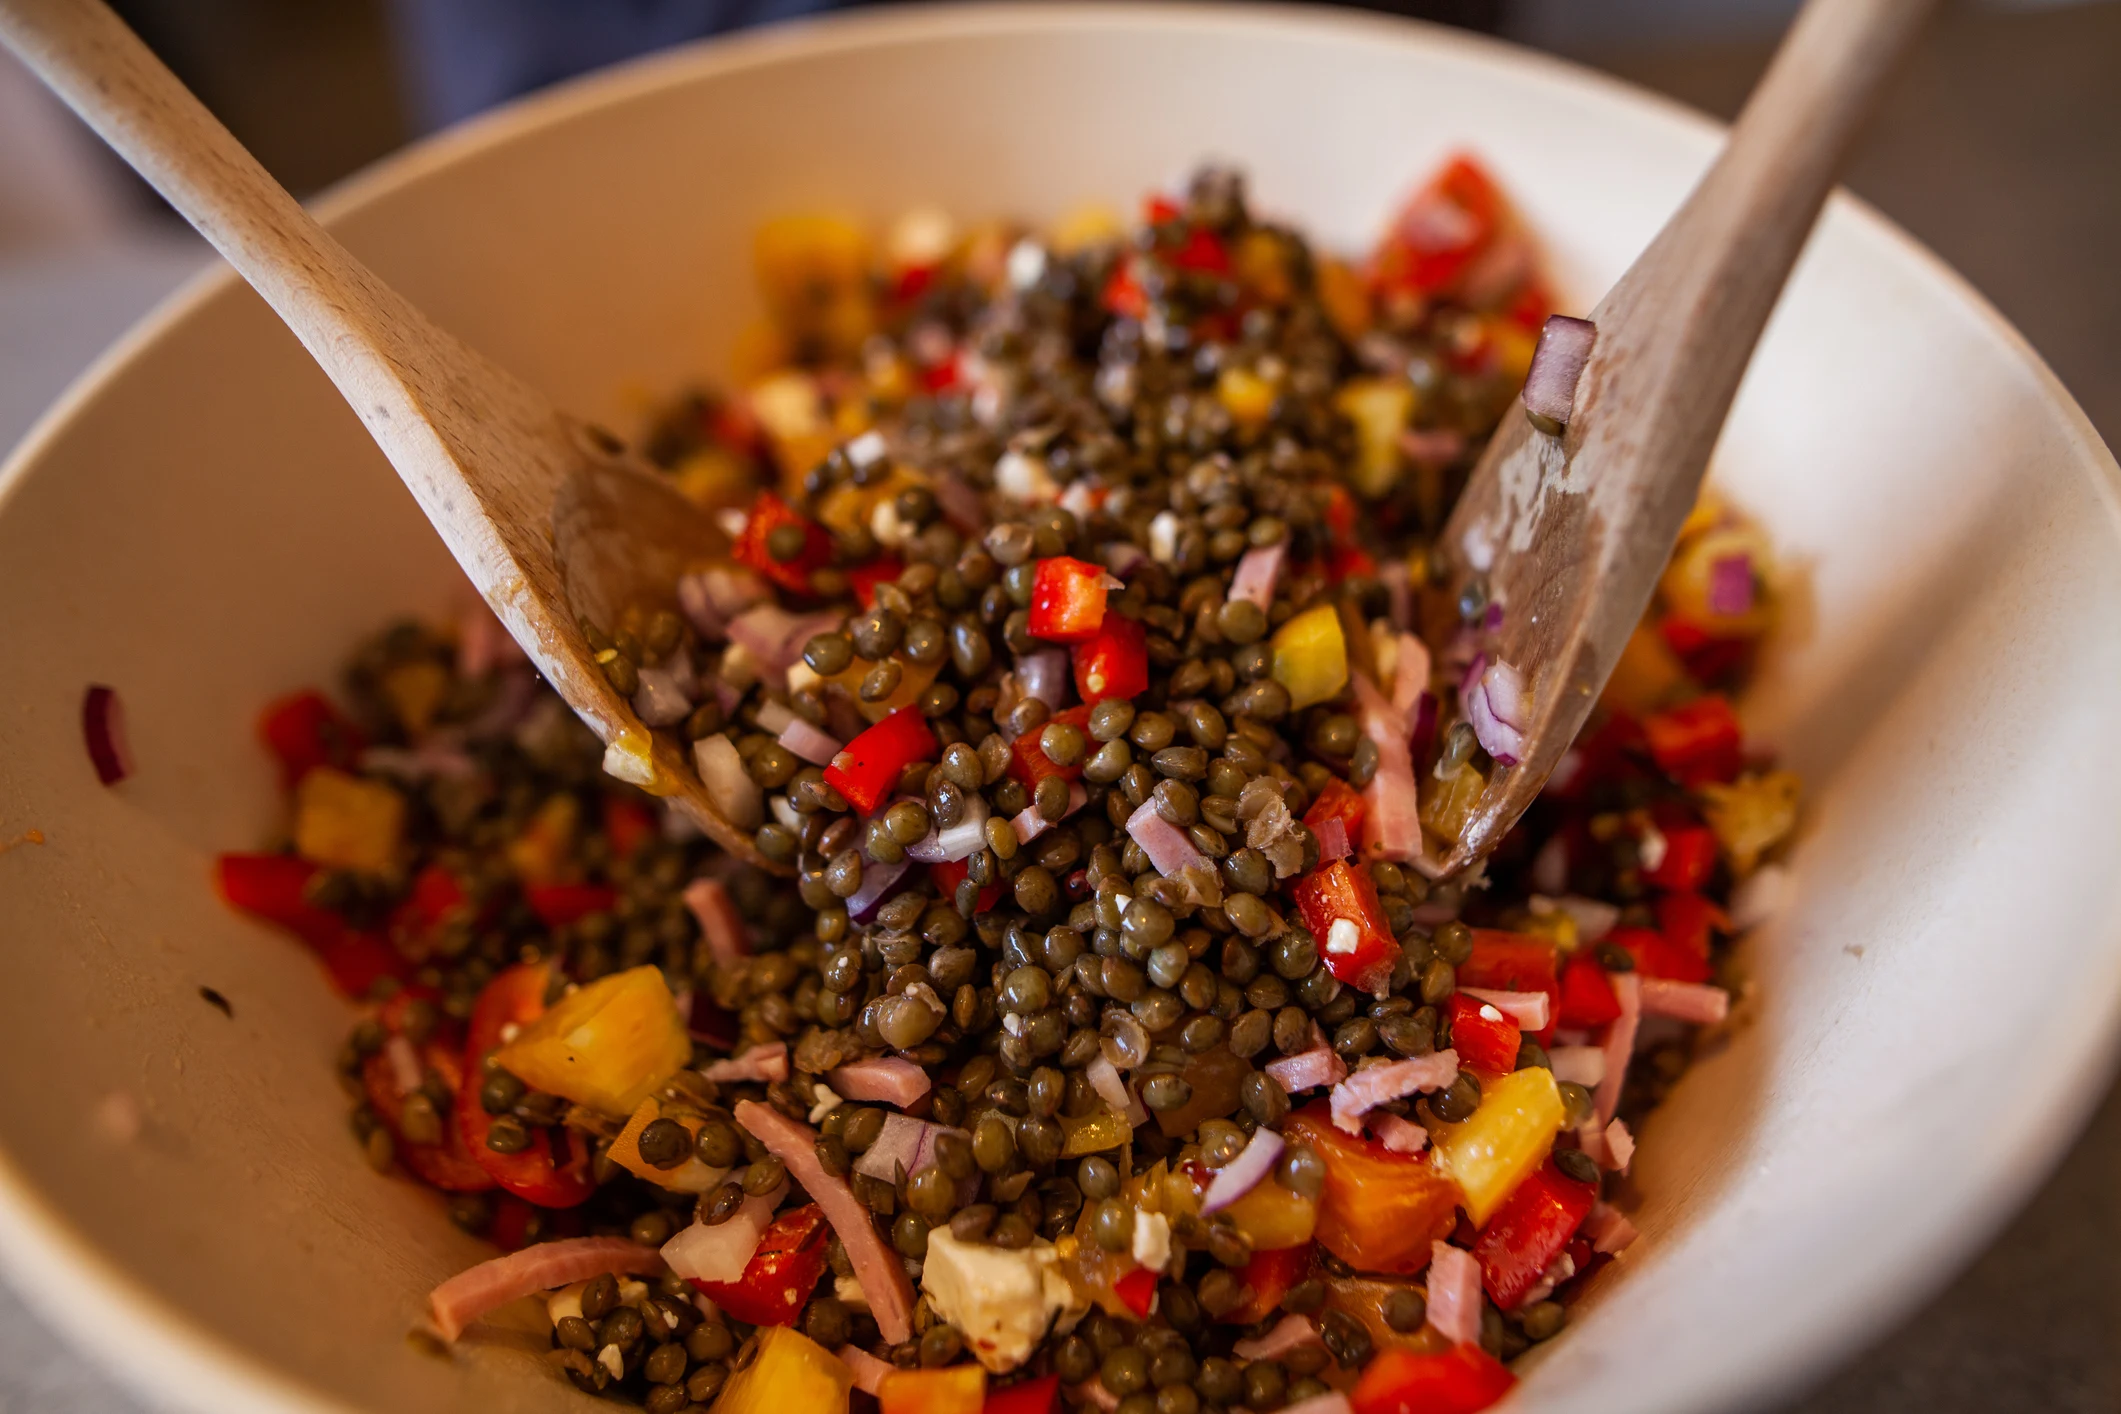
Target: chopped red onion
772, 716
1105, 1079
1550, 867
1258, 574
1731, 585
1291, 1332
720, 1251
1619, 1043
1557, 367
1579, 1065
406, 1072
877, 881
1029, 824
1527, 1009
660, 701
905, 1141
960, 504
1695, 1002
1124, 557
1168, 849
961, 841
1497, 709
1436, 446
1046, 675
776, 637
737, 796
809, 743
1243, 1174
714, 596
103, 723
1454, 1293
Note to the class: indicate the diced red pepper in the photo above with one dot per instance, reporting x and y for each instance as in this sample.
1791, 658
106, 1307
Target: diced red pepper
1603, 753
1341, 513
1706, 657
947, 875
274, 887
516, 997
1114, 662
1462, 1380
1350, 562
304, 731
864, 578
1698, 742
768, 513
1531, 306
1202, 252
434, 899
869, 768
1515, 962
1658, 956
1689, 859
356, 962
516, 1224
1123, 294
782, 1273
1338, 801
1028, 761
448, 1165
1267, 1278
1482, 1042
1039, 1396
1689, 920
627, 825
1137, 1291
944, 374
561, 904
1437, 235
1531, 1228
1337, 892
1379, 1211
1587, 998
1158, 209
1067, 600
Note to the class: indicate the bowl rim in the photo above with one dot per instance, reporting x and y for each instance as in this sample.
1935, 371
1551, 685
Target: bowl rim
163, 1358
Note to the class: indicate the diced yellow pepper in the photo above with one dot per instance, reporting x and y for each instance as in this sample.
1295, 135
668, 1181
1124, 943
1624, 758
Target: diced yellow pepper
1093, 1133
692, 1176
1262, 263
1752, 814
954, 1389
1344, 297
914, 679
415, 691
1647, 675
1514, 346
346, 822
791, 409
1554, 925
803, 260
1246, 396
1380, 409
714, 477
758, 350
1086, 227
1272, 1216
791, 1374
540, 854
1447, 805
605, 1046
1311, 657
1687, 580
1507, 1137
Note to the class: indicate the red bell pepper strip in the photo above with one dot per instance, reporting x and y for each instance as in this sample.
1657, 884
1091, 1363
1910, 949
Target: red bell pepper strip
561, 904
1336, 893
947, 875
1689, 859
448, 1164
434, 899
782, 1272
1039, 1396
1158, 209
274, 888
1203, 253
768, 513
1137, 1291
1462, 1380
1123, 293
1338, 801
1531, 1228
1514, 962
1698, 742
1482, 1042
1437, 235
1658, 956
1067, 600
1587, 998
1114, 663
1267, 1278
864, 578
868, 770
1706, 657
514, 998
304, 731
628, 825
1689, 920
1028, 761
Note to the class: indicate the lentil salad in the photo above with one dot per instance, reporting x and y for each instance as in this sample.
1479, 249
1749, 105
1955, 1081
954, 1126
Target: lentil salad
1077, 649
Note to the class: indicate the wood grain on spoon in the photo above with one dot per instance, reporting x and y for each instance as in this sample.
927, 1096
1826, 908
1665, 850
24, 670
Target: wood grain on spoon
1571, 533
487, 458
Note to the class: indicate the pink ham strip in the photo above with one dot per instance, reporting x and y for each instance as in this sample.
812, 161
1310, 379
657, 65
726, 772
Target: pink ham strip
1584, 1065
1619, 1043
1607, 1229
1371, 1086
1527, 1009
1169, 851
1410, 677
1695, 1002
720, 924
889, 1080
876, 1267
1291, 1332
1454, 1294
1307, 1070
1401, 1136
1391, 819
869, 1371
470, 1294
1258, 573
763, 1063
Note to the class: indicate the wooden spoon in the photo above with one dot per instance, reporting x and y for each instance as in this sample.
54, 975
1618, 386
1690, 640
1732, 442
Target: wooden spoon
1569, 534
525, 496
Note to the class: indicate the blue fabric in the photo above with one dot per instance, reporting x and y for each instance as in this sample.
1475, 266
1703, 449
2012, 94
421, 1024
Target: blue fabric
462, 56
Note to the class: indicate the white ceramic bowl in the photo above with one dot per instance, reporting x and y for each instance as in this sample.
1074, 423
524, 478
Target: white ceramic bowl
203, 524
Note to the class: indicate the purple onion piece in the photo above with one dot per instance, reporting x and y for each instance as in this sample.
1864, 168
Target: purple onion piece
1046, 675
1243, 1173
877, 880
1731, 585
103, 724
1557, 367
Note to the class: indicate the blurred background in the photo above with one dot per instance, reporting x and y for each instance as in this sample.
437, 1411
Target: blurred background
1999, 147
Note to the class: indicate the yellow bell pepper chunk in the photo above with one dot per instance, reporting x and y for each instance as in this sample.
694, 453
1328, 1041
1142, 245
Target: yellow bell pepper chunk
1447, 805
1344, 297
1262, 263
1085, 228
1272, 1216
345, 822
605, 1046
1507, 1137
692, 1176
791, 1374
416, 691
1246, 396
1094, 1133
1380, 409
541, 853
803, 259
1752, 814
713, 477
1647, 676
1311, 657
956, 1389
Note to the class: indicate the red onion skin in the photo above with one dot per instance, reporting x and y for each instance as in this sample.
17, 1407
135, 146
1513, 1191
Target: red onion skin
103, 724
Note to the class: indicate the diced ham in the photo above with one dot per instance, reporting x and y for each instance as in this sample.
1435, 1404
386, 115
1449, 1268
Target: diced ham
1169, 851
470, 1294
876, 1266
761, 1063
720, 924
721, 1251
1527, 1009
1373, 1085
1454, 1294
1309, 1069
1401, 1136
869, 1371
1695, 1002
1029, 824
1619, 1043
1258, 573
1582, 1065
1410, 676
1607, 1229
1391, 819
889, 1080
1291, 1332
1619, 1146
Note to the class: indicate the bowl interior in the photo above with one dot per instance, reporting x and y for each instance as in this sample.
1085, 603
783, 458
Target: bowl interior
204, 525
